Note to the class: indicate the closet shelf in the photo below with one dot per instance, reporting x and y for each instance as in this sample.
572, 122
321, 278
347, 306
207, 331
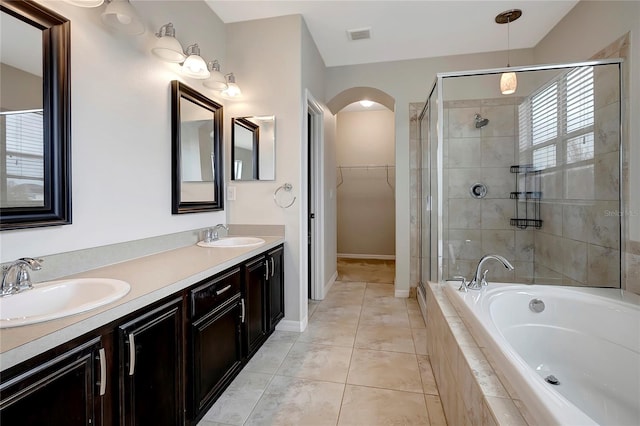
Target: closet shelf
366, 167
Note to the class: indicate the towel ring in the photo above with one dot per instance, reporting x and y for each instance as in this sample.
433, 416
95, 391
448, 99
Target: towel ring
287, 187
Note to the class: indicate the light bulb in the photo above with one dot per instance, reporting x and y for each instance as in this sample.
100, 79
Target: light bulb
123, 19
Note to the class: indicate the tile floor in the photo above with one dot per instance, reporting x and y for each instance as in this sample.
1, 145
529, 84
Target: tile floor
361, 361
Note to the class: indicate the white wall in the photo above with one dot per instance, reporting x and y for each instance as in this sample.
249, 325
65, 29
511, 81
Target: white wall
409, 81
313, 84
366, 208
588, 28
265, 56
121, 140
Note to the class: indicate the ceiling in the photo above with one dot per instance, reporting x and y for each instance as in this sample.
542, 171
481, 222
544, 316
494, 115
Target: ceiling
406, 29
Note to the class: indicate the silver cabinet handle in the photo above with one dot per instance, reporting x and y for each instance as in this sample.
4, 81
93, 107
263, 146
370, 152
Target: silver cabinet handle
273, 268
132, 354
242, 304
266, 263
103, 371
219, 292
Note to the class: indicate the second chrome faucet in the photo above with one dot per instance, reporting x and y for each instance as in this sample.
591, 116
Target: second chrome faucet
211, 234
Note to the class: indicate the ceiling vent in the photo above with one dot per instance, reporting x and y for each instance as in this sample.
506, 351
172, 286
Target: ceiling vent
359, 34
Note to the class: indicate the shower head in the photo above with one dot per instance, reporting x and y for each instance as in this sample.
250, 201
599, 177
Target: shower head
481, 122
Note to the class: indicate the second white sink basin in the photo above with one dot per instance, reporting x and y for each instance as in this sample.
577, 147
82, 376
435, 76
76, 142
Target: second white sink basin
233, 242
57, 299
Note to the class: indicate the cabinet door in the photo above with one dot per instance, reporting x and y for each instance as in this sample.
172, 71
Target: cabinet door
216, 353
151, 367
255, 296
276, 286
63, 391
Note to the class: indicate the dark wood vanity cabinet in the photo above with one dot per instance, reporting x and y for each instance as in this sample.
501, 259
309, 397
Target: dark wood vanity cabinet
217, 311
264, 294
164, 364
151, 367
255, 293
67, 389
275, 284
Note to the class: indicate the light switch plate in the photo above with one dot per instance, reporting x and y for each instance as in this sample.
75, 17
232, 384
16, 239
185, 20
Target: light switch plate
231, 193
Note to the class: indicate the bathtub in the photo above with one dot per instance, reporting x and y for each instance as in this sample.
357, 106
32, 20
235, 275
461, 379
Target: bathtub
588, 339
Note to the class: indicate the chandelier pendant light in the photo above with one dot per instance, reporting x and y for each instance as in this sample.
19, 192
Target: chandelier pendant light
508, 80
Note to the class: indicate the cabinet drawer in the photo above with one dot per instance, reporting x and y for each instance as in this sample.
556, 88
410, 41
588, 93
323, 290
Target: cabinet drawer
214, 292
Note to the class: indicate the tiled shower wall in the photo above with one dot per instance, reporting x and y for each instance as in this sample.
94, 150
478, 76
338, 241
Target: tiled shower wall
416, 193
631, 249
474, 227
583, 228
579, 242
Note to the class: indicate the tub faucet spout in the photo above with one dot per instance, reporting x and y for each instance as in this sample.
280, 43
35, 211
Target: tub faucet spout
480, 278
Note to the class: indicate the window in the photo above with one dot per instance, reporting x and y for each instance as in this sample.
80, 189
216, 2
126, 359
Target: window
556, 122
544, 115
24, 158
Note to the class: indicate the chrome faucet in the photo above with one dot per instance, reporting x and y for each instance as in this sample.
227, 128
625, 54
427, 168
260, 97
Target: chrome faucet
480, 278
215, 231
16, 278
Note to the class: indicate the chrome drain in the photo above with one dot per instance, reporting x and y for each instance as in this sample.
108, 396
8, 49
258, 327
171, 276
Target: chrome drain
551, 379
536, 305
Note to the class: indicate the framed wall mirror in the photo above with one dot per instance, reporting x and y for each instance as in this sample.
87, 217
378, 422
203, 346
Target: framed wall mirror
196, 160
253, 148
35, 117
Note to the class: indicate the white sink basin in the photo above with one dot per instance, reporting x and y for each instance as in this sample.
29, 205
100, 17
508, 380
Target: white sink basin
233, 242
57, 299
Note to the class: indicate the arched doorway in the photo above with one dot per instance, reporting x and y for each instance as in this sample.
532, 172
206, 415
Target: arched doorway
365, 190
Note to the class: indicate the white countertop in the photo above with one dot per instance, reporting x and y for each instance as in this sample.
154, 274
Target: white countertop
151, 278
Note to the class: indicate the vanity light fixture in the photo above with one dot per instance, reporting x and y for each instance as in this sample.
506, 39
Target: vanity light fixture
217, 80
366, 103
233, 90
194, 66
508, 80
85, 3
167, 47
121, 16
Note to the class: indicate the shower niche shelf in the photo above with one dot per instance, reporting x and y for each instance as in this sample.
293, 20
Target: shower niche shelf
527, 197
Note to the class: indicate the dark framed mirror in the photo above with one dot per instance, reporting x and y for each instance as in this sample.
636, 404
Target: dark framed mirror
253, 148
197, 182
244, 153
35, 116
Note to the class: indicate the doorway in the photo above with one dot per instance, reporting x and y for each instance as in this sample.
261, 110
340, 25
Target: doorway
365, 156
313, 216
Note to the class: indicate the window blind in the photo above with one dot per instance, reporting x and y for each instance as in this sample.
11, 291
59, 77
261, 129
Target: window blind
24, 142
556, 122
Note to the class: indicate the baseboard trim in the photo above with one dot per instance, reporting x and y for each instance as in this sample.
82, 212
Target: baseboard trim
329, 284
366, 256
402, 293
288, 325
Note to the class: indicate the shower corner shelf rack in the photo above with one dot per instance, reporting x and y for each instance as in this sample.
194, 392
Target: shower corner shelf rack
530, 178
